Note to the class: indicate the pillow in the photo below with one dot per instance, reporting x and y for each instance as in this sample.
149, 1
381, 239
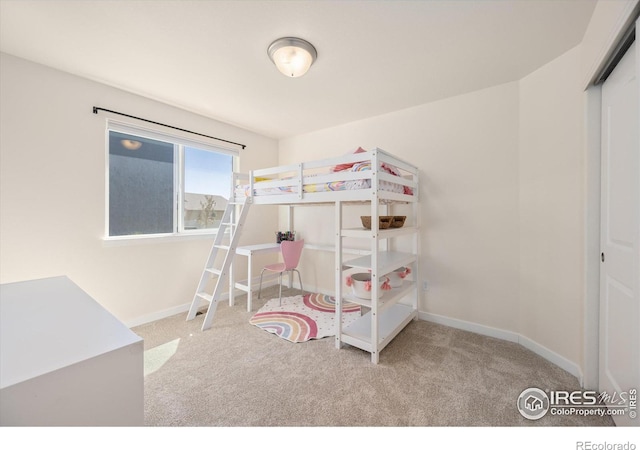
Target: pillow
393, 170
256, 179
347, 166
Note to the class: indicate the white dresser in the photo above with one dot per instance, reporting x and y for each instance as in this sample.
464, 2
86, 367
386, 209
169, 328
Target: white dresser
65, 360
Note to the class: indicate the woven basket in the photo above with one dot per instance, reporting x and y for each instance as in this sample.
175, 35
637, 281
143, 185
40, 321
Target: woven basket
398, 221
383, 222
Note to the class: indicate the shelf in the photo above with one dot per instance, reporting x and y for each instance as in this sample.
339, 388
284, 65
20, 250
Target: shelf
248, 250
267, 280
390, 323
388, 233
388, 299
387, 261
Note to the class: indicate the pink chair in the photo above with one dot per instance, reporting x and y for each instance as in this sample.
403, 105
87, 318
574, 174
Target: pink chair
291, 251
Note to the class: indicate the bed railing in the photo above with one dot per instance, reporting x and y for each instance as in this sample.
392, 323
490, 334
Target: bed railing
293, 178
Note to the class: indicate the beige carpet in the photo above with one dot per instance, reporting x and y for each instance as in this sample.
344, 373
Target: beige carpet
235, 374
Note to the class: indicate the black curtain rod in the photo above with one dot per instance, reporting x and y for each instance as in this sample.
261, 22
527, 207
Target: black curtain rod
96, 109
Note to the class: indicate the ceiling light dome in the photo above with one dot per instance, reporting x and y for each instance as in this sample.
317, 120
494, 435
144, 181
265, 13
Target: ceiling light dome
130, 144
292, 56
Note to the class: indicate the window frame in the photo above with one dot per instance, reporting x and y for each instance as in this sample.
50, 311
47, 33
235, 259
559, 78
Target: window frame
179, 143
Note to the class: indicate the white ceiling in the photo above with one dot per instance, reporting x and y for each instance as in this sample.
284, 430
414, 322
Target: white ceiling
374, 57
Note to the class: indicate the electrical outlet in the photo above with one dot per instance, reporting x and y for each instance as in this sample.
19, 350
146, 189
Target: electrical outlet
425, 286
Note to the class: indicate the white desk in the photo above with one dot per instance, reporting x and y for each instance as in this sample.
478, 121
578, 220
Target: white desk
65, 360
249, 251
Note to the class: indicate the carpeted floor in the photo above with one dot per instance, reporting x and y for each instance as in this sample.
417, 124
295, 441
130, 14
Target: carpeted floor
235, 374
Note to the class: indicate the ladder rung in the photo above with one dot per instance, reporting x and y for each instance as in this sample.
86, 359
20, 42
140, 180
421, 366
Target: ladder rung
222, 247
213, 271
227, 223
205, 296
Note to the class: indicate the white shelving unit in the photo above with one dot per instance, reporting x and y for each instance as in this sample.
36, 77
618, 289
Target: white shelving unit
395, 309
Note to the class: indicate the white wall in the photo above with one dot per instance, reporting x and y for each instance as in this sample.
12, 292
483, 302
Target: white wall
467, 150
551, 169
502, 210
52, 193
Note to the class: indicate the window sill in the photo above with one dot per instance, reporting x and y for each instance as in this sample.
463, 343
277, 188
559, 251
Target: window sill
115, 241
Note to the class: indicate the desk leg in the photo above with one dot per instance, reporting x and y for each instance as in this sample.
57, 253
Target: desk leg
249, 281
232, 284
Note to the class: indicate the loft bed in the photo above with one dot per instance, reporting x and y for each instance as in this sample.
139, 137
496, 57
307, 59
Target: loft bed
345, 180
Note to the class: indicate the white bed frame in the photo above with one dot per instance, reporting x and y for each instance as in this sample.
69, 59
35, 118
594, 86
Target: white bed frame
395, 309
297, 175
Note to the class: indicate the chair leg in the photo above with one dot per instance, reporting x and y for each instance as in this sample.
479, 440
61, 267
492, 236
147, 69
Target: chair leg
280, 294
299, 279
260, 289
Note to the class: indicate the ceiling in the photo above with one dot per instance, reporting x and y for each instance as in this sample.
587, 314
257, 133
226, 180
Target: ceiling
374, 57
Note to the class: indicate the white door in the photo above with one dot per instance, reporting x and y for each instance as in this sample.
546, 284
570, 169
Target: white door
620, 267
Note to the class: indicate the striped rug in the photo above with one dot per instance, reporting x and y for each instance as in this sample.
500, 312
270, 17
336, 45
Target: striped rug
303, 317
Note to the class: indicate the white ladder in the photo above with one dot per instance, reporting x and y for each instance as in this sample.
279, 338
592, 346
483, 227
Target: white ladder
222, 273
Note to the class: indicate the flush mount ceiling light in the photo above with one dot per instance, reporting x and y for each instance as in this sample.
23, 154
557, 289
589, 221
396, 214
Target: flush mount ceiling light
292, 56
131, 144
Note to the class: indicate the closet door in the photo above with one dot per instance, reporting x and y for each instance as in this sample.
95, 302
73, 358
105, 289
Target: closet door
620, 227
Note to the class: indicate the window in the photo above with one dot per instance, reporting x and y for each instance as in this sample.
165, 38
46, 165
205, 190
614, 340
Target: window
163, 185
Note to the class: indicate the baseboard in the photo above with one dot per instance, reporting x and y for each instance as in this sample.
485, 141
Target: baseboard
510, 336
470, 326
552, 357
311, 288
159, 315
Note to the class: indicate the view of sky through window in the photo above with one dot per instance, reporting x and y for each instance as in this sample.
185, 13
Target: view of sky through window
207, 172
